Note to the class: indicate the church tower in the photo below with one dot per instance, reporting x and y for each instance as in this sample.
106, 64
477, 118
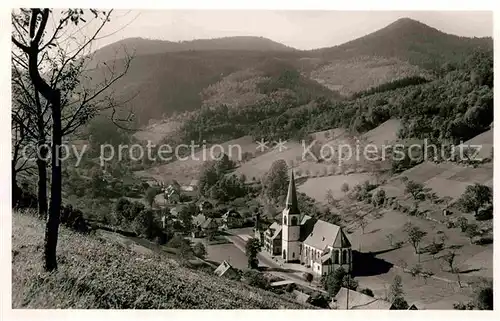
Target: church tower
291, 225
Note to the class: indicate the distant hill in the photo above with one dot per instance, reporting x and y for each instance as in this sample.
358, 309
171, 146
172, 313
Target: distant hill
142, 46
167, 77
173, 82
409, 40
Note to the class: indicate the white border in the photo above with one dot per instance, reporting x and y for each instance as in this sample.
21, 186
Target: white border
5, 150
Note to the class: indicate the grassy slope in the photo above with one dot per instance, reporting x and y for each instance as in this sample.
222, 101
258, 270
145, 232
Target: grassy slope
97, 274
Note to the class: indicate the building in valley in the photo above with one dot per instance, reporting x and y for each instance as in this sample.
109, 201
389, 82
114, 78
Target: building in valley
226, 270
320, 245
272, 239
347, 299
232, 219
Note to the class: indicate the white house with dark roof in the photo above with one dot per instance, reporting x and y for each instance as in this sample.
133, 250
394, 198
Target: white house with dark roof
272, 239
320, 245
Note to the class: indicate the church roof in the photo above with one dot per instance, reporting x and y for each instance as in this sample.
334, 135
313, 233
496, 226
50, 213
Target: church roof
291, 198
341, 240
325, 234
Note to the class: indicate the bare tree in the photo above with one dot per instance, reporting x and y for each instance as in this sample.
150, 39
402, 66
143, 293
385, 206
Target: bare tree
415, 236
57, 71
20, 160
361, 221
33, 120
449, 259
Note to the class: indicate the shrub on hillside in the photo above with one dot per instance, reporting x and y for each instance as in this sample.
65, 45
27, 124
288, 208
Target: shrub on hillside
146, 224
73, 218
485, 214
290, 287
256, 279
367, 291
336, 279
463, 306
23, 197
483, 296
319, 300
475, 197
379, 198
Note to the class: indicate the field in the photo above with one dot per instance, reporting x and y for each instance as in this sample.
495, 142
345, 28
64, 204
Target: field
485, 140
317, 187
445, 179
155, 132
254, 168
186, 170
100, 274
442, 289
333, 140
349, 76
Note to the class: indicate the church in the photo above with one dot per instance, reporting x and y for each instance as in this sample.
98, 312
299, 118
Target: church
319, 245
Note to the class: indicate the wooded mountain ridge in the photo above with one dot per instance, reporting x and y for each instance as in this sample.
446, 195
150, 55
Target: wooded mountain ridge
167, 77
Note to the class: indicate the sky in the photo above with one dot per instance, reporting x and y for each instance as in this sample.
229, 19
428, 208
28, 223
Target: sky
298, 29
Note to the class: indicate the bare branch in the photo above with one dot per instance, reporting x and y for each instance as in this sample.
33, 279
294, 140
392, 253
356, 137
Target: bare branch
19, 45
41, 28
83, 46
56, 31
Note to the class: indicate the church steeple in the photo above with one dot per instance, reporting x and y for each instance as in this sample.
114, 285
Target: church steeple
291, 198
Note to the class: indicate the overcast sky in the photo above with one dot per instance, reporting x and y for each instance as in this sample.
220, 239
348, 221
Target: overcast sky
299, 29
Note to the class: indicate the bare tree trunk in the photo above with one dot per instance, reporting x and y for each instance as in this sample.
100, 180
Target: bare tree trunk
42, 184
41, 160
458, 278
52, 226
16, 191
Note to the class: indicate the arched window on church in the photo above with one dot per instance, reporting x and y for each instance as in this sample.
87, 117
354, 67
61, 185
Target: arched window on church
294, 220
344, 257
284, 219
336, 257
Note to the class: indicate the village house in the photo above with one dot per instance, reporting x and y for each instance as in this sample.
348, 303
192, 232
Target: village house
171, 194
272, 239
193, 186
231, 219
204, 226
226, 270
205, 206
352, 300
320, 245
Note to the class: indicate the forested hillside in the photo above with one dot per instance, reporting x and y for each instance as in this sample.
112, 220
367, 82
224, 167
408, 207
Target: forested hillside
166, 77
456, 106
411, 41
